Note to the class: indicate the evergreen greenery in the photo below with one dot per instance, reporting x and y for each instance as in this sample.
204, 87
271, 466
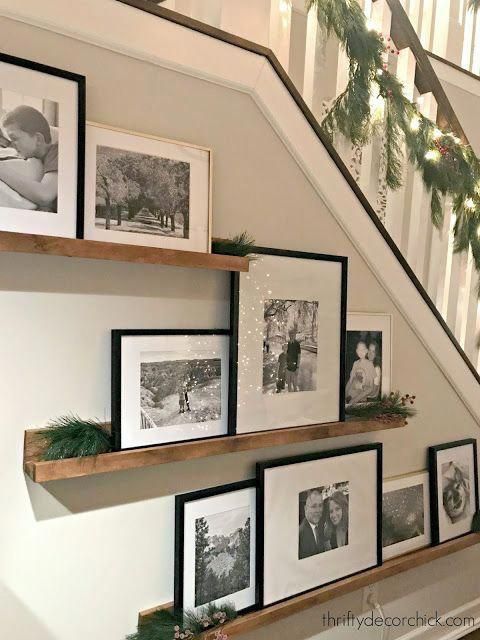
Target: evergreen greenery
174, 625
474, 4
388, 407
373, 102
71, 437
240, 245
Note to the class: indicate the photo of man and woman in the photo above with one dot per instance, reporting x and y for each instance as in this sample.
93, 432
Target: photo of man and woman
28, 152
323, 519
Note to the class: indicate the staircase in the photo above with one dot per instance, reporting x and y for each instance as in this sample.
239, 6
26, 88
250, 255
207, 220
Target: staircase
318, 70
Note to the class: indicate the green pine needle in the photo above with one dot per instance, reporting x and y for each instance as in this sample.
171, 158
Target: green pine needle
388, 407
168, 625
240, 245
71, 437
474, 5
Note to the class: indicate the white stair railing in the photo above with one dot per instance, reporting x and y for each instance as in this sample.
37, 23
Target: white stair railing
319, 67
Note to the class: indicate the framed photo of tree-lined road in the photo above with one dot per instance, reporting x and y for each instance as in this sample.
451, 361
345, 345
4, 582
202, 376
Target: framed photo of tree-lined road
146, 191
215, 555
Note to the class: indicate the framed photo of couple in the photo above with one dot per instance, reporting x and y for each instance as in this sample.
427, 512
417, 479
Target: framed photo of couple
288, 325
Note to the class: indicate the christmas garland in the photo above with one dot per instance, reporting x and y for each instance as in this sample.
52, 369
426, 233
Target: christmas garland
388, 407
71, 437
448, 167
240, 245
474, 4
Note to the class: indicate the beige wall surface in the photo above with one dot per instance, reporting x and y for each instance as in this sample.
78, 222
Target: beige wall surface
79, 558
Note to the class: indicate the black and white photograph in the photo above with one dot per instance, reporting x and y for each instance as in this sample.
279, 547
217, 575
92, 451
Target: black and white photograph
137, 193
405, 514
169, 386
215, 547
288, 322
453, 485
290, 346
323, 519
175, 391
222, 554
367, 357
41, 148
146, 190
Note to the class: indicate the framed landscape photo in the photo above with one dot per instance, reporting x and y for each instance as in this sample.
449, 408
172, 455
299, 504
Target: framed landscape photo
368, 357
288, 323
215, 547
147, 191
169, 386
42, 146
405, 514
319, 519
453, 469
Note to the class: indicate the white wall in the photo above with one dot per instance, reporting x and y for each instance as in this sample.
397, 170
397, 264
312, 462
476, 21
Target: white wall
79, 558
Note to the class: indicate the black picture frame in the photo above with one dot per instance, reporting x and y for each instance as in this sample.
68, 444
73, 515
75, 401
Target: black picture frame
116, 371
80, 81
433, 482
179, 566
234, 324
261, 467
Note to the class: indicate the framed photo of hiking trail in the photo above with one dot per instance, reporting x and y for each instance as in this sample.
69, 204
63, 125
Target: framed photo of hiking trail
288, 324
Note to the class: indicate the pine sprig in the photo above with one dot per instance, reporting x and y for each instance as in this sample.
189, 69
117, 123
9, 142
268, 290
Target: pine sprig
447, 166
388, 407
71, 437
240, 245
166, 624
474, 5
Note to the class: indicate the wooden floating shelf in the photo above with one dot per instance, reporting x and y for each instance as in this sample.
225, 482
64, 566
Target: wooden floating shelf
251, 621
45, 471
94, 250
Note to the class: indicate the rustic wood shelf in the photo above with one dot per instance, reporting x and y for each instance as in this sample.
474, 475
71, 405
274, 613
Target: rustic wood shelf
45, 471
94, 250
273, 613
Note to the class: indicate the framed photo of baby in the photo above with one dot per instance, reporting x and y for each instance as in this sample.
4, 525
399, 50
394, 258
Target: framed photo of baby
368, 357
42, 133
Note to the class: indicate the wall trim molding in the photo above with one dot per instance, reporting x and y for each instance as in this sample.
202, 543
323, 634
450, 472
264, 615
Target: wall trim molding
132, 28
453, 74
468, 610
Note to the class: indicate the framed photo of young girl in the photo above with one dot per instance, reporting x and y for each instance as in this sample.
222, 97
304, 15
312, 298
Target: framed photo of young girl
288, 324
147, 191
453, 469
368, 357
42, 146
215, 547
169, 386
319, 519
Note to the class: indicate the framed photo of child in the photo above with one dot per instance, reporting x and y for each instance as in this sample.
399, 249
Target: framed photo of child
288, 323
368, 357
42, 147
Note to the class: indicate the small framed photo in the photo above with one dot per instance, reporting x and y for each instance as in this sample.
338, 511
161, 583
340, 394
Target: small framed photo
319, 519
288, 322
453, 469
405, 514
147, 191
368, 357
169, 386
42, 146
215, 547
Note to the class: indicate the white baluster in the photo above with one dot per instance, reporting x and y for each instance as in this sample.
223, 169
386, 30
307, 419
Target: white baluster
470, 310
438, 257
248, 19
298, 43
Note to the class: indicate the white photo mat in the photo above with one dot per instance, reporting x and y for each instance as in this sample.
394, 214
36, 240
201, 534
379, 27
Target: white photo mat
210, 506
403, 482
41, 85
134, 350
199, 159
382, 322
279, 277
284, 575
460, 455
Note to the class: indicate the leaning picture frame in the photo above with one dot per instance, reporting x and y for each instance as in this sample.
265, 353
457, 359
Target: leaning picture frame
169, 385
42, 148
289, 308
215, 555
454, 499
146, 190
327, 524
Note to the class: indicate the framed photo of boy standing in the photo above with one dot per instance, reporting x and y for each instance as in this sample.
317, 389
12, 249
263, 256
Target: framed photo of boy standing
42, 147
